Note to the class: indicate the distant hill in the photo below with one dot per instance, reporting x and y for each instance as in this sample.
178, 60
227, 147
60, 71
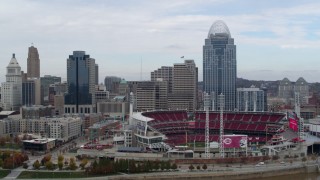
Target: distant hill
272, 86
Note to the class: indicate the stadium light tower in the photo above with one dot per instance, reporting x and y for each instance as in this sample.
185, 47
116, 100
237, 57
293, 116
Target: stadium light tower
221, 145
297, 110
206, 108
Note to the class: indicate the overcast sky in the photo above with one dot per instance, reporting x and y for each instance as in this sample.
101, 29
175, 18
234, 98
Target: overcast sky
275, 39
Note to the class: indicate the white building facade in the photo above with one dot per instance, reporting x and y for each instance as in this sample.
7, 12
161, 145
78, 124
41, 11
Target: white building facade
12, 88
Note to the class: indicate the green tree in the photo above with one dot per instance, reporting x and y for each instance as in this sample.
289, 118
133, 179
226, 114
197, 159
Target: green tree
36, 164
198, 167
174, 166
60, 158
156, 165
162, 165
1, 162
167, 165
49, 165
72, 164
60, 165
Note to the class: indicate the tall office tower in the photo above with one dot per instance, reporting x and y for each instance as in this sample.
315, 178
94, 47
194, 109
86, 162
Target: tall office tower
220, 65
302, 87
46, 81
185, 86
31, 92
250, 99
285, 90
96, 73
11, 89
33, 63
151, 95
80, 97
112, 83
164, 73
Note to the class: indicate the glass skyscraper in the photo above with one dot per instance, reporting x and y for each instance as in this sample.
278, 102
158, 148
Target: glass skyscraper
220, 65
81, 80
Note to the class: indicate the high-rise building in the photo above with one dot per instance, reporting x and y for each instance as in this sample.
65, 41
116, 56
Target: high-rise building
97, 73
33, 63
11, 89
46, 81
285, 90
80, 97
164, 73
31, 92
184, 86
151, 95
250, 99
220, 65
112, 83
302, 87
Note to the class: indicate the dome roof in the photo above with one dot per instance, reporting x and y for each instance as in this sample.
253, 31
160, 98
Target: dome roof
13, 62
219, 27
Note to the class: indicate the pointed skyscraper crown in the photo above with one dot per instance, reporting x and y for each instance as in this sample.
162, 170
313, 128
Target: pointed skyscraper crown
13, 62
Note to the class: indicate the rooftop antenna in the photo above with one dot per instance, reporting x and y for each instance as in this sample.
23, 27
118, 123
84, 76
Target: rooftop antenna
140, 68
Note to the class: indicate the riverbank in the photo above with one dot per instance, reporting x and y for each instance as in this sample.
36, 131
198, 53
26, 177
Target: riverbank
230, 174
239, 174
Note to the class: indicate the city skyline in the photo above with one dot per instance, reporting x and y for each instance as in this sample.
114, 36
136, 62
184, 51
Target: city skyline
274, 39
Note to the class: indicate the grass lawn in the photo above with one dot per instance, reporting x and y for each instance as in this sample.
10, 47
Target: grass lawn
48, 175
4, 173
11, 146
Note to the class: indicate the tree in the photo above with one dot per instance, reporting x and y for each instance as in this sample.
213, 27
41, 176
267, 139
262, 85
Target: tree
156, 165
162, 165
49, 165
1, 162
191, 167
198, 167
36, 164
167, 165
60, 165
17, 140
83, 163
25, 166
204, 167
2, 141
72, 164
60, 158
45, 159
8, 163
174, 166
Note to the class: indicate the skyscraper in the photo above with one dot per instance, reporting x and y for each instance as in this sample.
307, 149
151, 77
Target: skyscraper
81, 83
33, 63
97, 74
220, 65
11, 89
250, 99
164, 73
31, 92
46, 81
302, 87
184, 86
